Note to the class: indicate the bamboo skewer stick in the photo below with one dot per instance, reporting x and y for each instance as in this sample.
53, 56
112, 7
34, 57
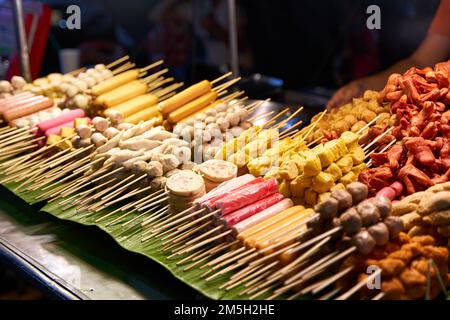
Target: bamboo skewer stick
285, 121
152, 65
116, 62
359, 286
224, 76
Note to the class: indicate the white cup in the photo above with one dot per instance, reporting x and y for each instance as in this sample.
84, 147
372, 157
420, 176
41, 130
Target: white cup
69, 59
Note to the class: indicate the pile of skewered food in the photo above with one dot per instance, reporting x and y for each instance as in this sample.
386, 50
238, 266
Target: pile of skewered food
411, 268
351, 117
264, 211
418, 99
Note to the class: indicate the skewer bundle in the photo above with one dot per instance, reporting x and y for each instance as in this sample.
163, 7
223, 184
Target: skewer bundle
419, 103
297, 224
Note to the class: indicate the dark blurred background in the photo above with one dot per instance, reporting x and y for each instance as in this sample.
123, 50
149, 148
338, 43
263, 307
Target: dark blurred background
308, 46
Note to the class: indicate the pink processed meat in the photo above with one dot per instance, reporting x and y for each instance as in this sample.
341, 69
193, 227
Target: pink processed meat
246, 196
212, 202
56, 130
61, 119
226, 186
248, 211
387, 192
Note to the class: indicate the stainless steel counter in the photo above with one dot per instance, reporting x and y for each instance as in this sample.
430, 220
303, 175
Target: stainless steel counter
71, 261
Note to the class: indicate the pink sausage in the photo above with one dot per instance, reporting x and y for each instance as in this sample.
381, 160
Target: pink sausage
56, 130
61, 119
387, 192
247, 196
398, 187
248, 211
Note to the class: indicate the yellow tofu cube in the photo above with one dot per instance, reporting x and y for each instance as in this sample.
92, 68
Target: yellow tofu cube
66, 144
288, 170
323, 196
349, 138
348, 178
66, 132
53, 138
360, 167
357, 155
312, 163
272, 173
310, 197
284, 188
323, 182
338, 186
79, 121
345, 163
335, 171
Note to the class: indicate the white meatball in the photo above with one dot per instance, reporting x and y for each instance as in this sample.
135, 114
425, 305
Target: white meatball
179, 128
81, 85
100, 123
82, 76
81, 101
199, 125
100, 67
211, 112
111, 132
5, 86
71, 91
221, 107
236, 131
206, 136
91, 71
90, 81
18, 82
98, 139
210, 119
187, 132
84, 131
233, 119
200, 117
223, 124
106, 74
190, 122
98, 78
242, 114
245, 125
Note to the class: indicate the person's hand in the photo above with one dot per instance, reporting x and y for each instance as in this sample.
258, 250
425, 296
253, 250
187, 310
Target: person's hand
346, 93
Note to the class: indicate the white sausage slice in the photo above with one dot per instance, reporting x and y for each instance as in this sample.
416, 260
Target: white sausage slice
218, 170
185, 183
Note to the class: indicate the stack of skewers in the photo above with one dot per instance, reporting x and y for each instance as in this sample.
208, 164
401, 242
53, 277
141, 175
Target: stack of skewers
268, 211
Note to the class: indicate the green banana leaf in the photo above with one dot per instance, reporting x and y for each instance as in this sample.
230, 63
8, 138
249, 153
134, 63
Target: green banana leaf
130, 239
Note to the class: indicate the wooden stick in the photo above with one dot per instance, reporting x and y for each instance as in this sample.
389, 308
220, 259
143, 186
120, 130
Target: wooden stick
116, 62
281, 113
226, 75
377, 139
151, 66
368, 125
226, 85
285, 121
359, 286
